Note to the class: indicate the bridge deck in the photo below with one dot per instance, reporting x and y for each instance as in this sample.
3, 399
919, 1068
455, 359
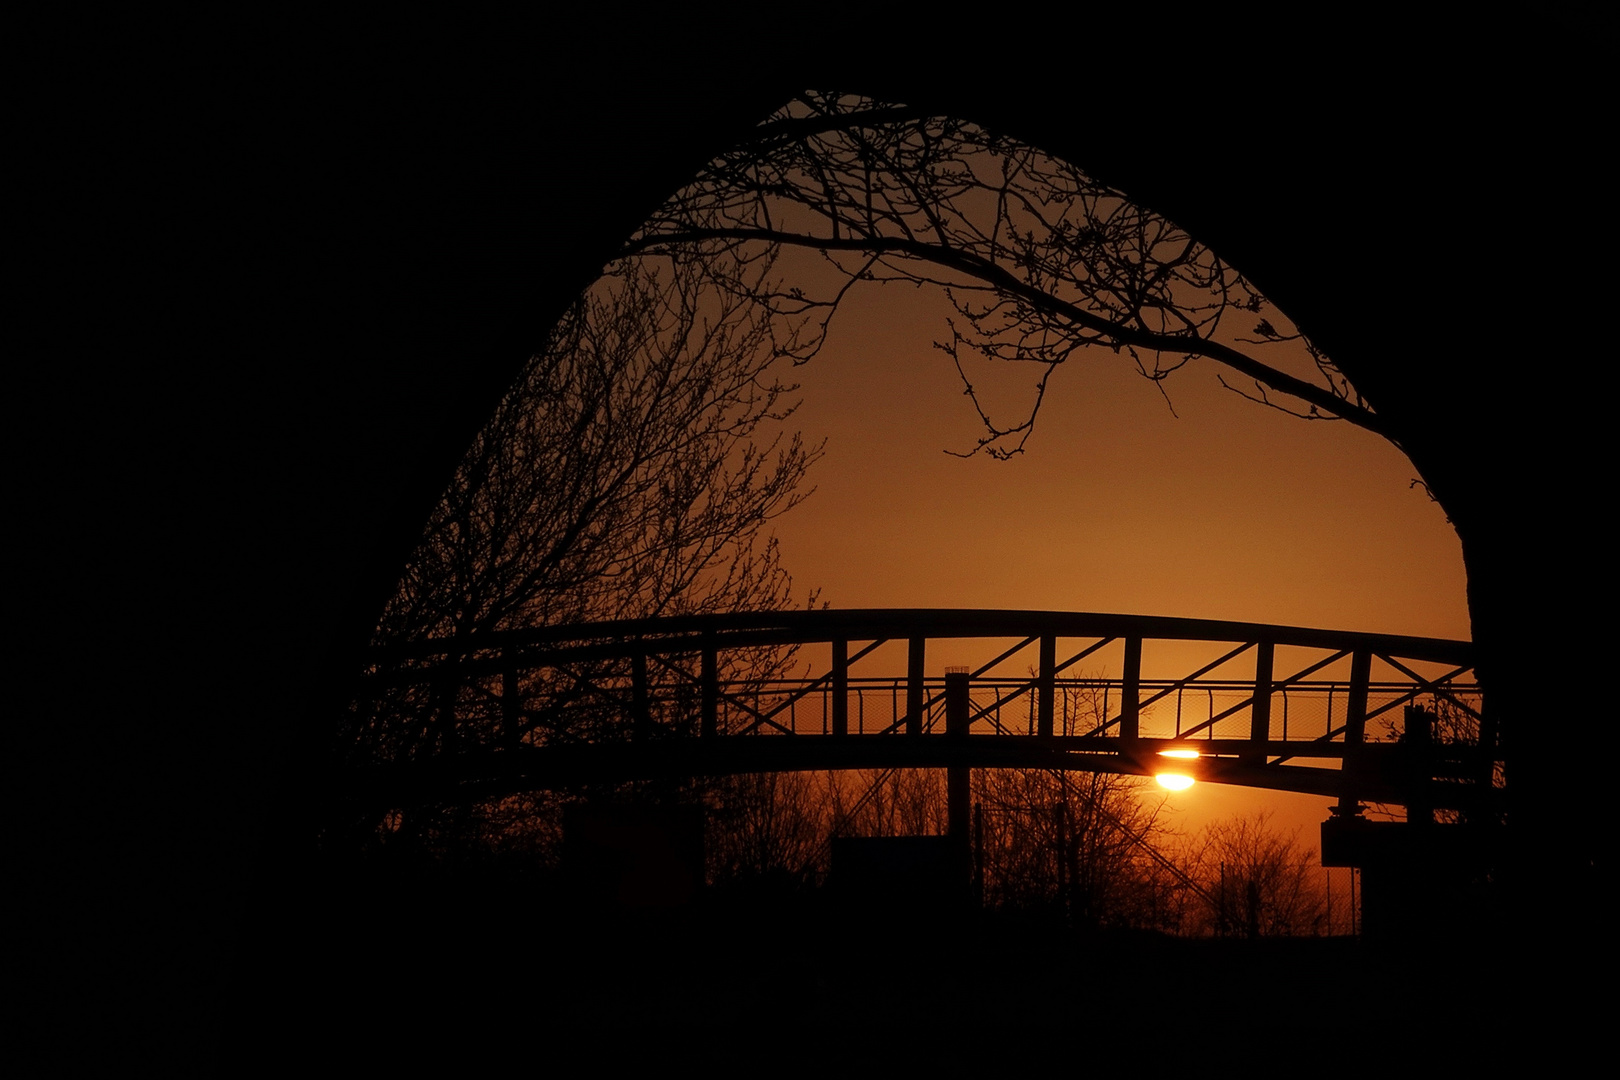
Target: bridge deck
1361, 716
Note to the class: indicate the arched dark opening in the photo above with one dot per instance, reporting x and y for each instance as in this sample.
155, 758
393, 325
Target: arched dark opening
974, 144
1318, 251
395, 288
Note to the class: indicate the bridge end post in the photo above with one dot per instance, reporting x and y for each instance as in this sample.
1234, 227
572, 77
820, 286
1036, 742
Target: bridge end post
1419, 726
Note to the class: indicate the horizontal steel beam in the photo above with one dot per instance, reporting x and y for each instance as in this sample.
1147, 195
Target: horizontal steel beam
760, 629
475, 777
601, 656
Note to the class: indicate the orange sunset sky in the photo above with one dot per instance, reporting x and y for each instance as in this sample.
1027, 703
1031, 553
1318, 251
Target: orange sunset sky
1231, 511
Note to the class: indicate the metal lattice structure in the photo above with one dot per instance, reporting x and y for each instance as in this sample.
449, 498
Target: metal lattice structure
1334, 713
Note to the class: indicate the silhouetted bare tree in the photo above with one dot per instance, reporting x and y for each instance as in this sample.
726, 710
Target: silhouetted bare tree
1264, 883
1039, 260
627, 474
889, 802
768, 828
619, 477
1082, 845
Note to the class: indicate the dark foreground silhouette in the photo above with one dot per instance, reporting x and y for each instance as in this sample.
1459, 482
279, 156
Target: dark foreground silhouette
409, 966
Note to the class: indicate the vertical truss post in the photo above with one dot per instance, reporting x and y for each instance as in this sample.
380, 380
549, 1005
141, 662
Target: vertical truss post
1260, 711
709, 675
915, 699
1355, 728
1047, 683
1131, 692
640, 705
840, 687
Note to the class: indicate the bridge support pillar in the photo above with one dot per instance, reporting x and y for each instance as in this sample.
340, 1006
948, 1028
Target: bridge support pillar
958, 785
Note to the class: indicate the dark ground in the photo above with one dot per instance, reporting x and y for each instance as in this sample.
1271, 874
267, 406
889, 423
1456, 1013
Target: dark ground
799, 983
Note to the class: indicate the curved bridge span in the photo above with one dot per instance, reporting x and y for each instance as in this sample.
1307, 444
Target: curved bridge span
1364, 717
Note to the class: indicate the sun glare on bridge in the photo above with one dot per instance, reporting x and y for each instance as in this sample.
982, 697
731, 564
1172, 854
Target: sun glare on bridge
1176, 781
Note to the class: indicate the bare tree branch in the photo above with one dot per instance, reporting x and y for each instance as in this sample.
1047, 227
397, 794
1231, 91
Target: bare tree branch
1067, 263
627, 474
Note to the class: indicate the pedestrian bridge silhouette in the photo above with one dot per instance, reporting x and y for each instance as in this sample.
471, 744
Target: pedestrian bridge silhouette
1335, 713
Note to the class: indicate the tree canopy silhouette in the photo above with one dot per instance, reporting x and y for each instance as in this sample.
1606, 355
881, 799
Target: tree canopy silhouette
1263, 882
627, 474
1040, 261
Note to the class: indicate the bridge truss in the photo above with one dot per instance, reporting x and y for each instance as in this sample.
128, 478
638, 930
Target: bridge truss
1363, 717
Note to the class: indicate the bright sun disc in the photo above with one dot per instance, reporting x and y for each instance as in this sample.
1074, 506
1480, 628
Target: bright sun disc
1174, 781
1184, 754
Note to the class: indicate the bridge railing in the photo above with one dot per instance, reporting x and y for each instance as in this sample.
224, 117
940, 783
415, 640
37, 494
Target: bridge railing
1257, 695
1203, 709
